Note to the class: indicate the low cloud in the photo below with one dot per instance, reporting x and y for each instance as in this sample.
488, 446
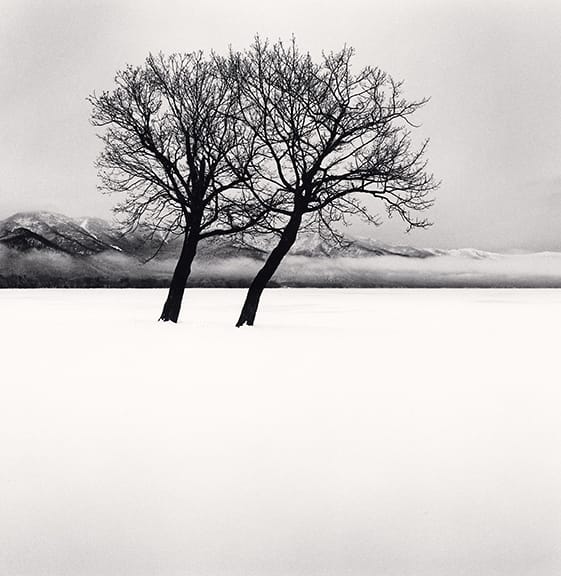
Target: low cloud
49, 269
456, 270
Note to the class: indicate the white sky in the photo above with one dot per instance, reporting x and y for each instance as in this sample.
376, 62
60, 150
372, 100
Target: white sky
491, 68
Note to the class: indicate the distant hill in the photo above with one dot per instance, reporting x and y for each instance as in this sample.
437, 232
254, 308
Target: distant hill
74, 236
45, 249
89, 236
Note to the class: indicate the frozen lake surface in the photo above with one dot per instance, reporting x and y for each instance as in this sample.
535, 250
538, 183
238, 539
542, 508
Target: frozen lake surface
350, 432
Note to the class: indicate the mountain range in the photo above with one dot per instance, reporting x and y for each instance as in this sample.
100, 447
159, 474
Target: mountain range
46, 249
88, 236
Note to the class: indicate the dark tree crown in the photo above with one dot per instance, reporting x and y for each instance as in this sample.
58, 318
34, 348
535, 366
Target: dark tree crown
175, 146
330, 138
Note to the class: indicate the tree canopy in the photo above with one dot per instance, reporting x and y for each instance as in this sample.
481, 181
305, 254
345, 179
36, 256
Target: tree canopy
176, 147
263, 141
333, 142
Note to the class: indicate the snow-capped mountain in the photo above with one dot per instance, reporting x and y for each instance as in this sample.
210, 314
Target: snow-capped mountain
49, 230
49, 249
353, 247
81, 237
73, 236
89, 236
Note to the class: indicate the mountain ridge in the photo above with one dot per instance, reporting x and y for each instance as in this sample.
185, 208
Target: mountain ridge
46, 249
87, 236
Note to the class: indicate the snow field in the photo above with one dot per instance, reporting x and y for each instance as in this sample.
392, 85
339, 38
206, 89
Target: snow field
404, 432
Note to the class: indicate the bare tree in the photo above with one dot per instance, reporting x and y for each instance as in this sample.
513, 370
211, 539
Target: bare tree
332, 139
175, 145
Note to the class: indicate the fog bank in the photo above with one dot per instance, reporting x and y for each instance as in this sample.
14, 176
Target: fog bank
457, 269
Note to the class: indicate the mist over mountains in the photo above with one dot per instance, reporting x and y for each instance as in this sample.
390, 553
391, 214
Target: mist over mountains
45, 249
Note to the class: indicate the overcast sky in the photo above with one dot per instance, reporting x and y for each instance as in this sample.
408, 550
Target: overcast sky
492, 69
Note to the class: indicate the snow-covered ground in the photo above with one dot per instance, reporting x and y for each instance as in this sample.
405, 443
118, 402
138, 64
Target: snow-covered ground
351, 432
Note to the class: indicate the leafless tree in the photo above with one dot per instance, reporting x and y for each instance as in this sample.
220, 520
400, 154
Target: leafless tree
332, 139
176, 147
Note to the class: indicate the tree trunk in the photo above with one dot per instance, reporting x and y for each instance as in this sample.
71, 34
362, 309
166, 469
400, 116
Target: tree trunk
180, 276
262, 278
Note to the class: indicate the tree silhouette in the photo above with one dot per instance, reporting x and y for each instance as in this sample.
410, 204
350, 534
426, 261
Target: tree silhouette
330, 140
175, 145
